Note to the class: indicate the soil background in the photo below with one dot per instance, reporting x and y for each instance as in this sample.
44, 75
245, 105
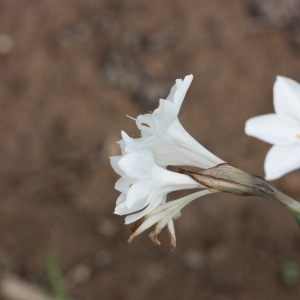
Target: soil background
70, 72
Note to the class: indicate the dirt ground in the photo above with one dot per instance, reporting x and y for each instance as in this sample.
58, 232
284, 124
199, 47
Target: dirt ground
69, 73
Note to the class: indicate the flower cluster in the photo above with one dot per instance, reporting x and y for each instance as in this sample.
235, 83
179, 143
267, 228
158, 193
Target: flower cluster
282, 129
145, 182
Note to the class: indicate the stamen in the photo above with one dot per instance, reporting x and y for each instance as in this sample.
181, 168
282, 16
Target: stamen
131, 118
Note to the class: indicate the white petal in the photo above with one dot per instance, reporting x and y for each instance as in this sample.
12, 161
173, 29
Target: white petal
122, 209
163, 183
146, 124
174, 155
184, 140
121, 199
114, 163
287, 98
138, 191
124, 183
164, 115
169, 178
173, 90
137, 164
281, 160
179, 90
272, 129
154, 200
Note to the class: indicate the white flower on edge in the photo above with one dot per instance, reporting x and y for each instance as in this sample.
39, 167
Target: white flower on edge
164, 135
282, 129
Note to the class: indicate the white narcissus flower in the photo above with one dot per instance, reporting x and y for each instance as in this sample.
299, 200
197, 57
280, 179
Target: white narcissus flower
282, 129
145, 182
164, 135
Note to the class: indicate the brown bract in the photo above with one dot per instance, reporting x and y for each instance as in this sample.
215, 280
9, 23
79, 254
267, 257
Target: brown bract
229, 179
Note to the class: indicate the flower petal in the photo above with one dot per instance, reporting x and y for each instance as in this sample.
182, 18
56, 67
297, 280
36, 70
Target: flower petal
154, 200
164, 116
138, 191
137, 164
174, 181
121, 199
173, 154
281, 160
287, 98
114, 163
272, 129
128, 144
178, 91
122, 209
124, 183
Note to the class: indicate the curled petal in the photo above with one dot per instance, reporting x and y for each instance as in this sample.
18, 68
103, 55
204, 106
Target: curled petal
155, 200
145, 124
122, 209
121, 199
139, 190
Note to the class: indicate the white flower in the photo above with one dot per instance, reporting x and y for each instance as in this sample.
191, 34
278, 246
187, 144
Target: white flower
144, 185
145, 182
163, 134
282, 129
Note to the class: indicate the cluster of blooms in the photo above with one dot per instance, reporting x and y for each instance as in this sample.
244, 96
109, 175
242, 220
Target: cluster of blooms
145, 181
282, 129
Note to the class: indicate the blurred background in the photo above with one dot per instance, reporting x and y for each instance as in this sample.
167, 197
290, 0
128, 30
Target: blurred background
69, 73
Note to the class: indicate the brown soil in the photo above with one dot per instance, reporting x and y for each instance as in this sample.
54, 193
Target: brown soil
70, 72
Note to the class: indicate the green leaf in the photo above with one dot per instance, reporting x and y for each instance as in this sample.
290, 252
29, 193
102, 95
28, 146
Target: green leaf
55, 276
290, 273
